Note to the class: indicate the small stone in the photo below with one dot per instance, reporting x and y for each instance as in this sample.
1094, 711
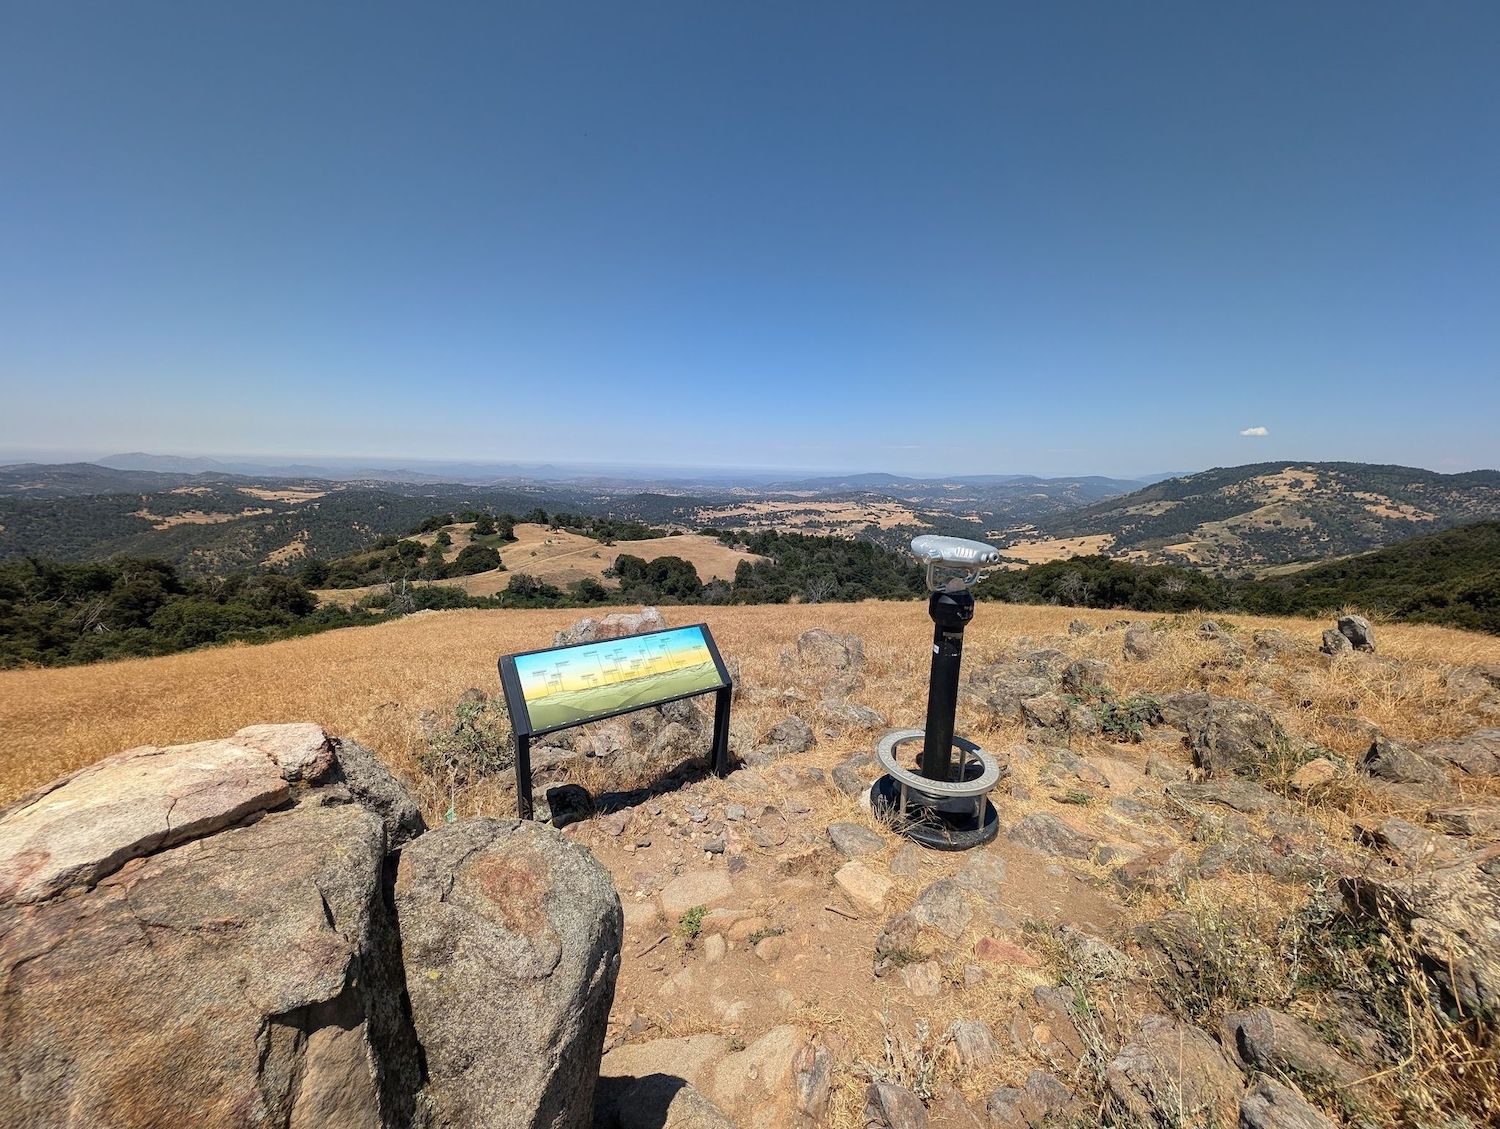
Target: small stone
888, 1106
734, 813
852, 840
923, 979
1313, 775
695, 888
973, 1042
907, 861
862, 885
1270, 1105
1335, 643
1049, 835
941, 906
714, 948
992, 950
1357, 629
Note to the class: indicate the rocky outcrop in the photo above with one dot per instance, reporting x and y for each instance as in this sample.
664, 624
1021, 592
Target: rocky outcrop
1451, 915
188, 955
1172, 1074
206, 934
1227, 735
612, 626
511, 942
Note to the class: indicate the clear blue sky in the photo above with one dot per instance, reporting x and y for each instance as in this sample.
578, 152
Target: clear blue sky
1064, 238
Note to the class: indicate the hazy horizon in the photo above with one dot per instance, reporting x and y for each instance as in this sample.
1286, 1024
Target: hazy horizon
1099, 240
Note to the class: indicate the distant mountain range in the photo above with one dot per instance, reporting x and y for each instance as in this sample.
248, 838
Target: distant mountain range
1247, 517
209, 516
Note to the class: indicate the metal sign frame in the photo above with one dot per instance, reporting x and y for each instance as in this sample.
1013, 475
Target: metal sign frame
520, 715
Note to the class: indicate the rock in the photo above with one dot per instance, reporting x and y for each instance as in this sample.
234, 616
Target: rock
1005, 686
705, 887
661, 1101
1171, 1074
842, 717
1313, 775
852, 840
862, 885
786, 738
1048, 835
1394, 762
612, 626
1474, 820
1357, 629
1046, 711
1452, 916
1241, 795
821, 647
1270, 1105
1410, 845
1276, 1043
907, 861
1228, 736
1086, 677
714, 948
923, 979
759, 1084
1079, 627
1092, 957
1159, 869
973, 1042
1272, 643
897, 936
371, 785
1211, 631
1475, 754
511, 940
84, 827
812, 1074
1140, 643
1335, 643
177, 931
848, 777
982, 874
689, 1059
941, 906
888, 1106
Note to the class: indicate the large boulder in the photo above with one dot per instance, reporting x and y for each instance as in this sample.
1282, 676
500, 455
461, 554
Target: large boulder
1172, 1074
1357, 629
1452, 916
1394, 763
820, 647
199, 936
1473, 754
1227, 735
612, 626
511, 943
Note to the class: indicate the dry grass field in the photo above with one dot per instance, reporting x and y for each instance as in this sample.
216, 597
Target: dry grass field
1040, 552
371, 684
562, 558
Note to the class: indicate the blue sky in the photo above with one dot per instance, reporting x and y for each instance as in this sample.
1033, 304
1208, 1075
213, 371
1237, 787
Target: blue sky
1077, 238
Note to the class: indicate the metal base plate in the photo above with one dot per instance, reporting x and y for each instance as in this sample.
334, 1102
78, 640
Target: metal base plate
940, 830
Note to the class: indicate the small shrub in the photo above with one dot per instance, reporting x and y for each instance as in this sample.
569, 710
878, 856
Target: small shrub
690, 924
1125, 719
475, 742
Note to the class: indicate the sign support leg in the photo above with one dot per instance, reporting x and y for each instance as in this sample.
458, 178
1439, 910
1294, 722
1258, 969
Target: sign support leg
523, 776
721, 730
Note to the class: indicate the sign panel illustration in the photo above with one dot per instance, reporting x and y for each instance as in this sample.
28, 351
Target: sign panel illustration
572, 685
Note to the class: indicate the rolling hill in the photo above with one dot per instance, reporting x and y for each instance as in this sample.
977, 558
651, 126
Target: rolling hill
1240, 519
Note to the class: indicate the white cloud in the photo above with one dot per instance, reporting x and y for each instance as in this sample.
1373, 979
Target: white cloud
1255, 431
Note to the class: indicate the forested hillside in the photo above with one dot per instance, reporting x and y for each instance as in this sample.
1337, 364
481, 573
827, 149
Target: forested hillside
1239, 518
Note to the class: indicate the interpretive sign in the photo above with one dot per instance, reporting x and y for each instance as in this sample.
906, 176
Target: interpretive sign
561, 687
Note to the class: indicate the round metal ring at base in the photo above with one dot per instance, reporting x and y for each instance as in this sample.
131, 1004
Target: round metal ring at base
931, 827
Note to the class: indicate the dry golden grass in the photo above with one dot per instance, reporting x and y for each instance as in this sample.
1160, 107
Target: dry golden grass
1040, 552
563, 558
371, 684
195, 517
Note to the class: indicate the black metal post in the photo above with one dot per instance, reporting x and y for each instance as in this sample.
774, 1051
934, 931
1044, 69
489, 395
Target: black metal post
523, 776
950, 611
721, 730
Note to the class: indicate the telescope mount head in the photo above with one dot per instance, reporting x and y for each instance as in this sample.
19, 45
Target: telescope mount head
953, 563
